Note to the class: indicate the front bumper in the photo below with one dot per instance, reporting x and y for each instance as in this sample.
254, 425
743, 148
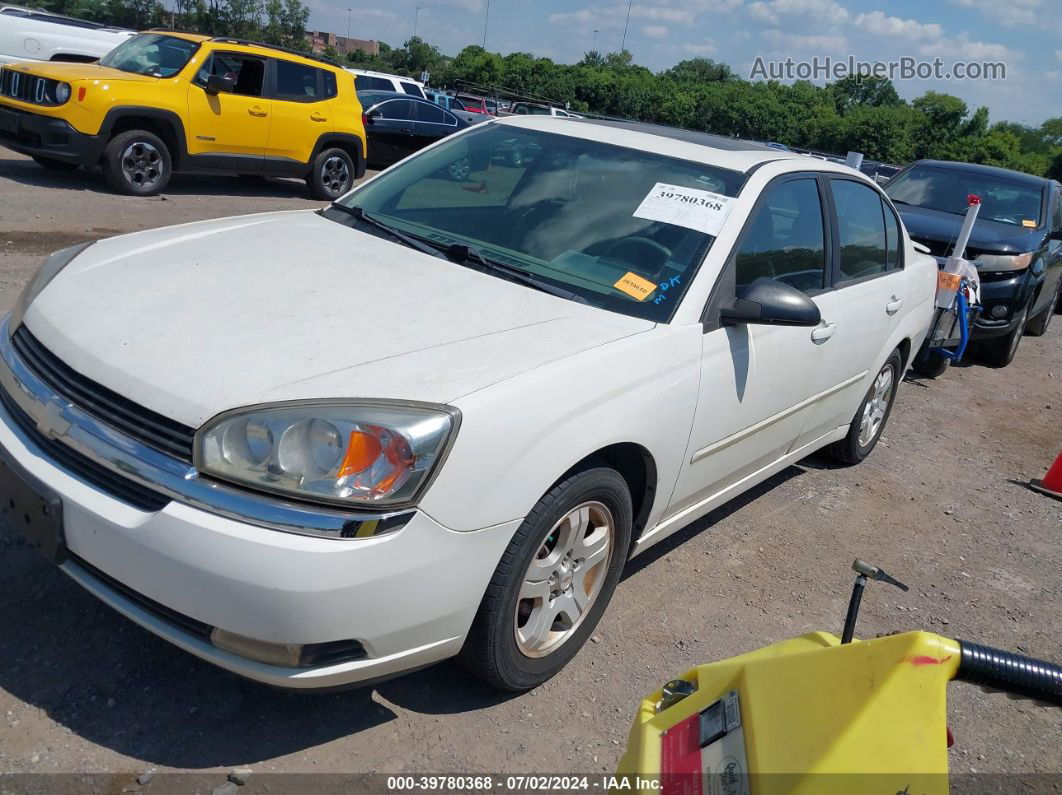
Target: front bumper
1011, 293
407, 597
45, 136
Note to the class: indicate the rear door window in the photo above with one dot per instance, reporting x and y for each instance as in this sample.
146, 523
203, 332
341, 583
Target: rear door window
432, 114
860, 229
296, 82
400, 109
411, 88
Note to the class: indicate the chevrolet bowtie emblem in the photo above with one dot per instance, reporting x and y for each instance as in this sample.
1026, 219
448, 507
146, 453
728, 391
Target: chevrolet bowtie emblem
51, 421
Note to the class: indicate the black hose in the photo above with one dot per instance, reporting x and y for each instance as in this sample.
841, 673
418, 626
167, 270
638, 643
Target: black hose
1011, 673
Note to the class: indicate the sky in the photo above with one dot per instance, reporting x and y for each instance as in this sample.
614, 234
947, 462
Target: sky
1025, 35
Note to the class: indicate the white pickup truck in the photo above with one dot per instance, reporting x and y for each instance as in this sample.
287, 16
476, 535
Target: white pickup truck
535, 109
28, 35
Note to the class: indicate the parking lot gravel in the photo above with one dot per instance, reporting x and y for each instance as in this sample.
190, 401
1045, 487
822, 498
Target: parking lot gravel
942, 505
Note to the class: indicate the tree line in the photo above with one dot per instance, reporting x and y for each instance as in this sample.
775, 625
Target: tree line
863, 114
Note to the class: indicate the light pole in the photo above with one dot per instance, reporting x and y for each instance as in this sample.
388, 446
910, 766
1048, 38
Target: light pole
623, 44
486, 17
416, 18
594, 48
348, 23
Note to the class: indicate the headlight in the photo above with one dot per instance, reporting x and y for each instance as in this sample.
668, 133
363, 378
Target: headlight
48, 270
358, 452
1004, 262
62, 93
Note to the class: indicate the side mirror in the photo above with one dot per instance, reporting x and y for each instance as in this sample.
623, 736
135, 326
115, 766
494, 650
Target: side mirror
773, 303
216, 84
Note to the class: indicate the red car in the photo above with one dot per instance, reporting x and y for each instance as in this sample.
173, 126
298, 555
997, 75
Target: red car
479, 104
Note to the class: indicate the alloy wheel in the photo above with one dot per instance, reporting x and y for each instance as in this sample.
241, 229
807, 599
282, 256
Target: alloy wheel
564, 578
142, 164
877, 405
335, 175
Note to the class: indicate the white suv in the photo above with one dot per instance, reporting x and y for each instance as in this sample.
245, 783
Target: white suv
318, 448
365, 80
27, 35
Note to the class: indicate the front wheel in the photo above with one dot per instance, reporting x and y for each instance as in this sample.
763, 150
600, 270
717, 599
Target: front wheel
1038, 325
332, 175
1000, 351
137, 163
553, 582
870, 419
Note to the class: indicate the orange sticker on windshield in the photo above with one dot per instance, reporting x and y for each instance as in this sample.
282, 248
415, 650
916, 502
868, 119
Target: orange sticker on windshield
1029, 224
635, 286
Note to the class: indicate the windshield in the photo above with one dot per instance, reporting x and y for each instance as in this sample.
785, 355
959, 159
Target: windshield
946, 189
153, 54
560, 208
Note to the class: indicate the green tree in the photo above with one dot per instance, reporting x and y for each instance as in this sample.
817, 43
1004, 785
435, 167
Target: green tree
858, 90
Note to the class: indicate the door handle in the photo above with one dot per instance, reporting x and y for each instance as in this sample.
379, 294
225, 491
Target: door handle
318, 117
254, 110
824, 332
405, 129
894, 305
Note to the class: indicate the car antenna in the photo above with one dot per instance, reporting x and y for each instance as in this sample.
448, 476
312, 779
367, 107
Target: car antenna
864, 571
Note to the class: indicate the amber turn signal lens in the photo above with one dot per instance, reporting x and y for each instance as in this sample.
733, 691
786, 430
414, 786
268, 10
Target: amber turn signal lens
81, 94
362, 450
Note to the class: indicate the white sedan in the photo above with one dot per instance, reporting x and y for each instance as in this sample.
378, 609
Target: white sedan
436, 418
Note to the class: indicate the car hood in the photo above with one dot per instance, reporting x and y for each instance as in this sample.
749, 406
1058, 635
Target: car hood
70, 72
197, 319
936, 226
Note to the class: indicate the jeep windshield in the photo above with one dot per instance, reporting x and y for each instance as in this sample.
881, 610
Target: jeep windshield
153, 54
567, 211
946, 189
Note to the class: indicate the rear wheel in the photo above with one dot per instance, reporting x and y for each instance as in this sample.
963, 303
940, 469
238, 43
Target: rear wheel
1000, 351
332, 175
137, 163
553, 582
1038, 325
54, 165
870, 419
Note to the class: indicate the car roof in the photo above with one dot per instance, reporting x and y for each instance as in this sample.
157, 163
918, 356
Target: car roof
716, 150
380, 96
988, 171
371, 73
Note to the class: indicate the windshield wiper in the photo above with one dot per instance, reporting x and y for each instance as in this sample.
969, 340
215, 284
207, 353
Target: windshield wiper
359, 213
461, 253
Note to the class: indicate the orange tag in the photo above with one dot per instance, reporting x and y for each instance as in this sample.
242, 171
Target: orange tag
948, 281
1028, 224
635, 286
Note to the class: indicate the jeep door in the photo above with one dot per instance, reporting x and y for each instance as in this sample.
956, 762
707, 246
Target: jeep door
229, 129
301, 111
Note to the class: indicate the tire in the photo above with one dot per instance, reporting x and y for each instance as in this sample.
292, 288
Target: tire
1000, 351
1038, 325
930, 364
137, 163
55, 165
332, 175
519, 640
459, 170
872, 415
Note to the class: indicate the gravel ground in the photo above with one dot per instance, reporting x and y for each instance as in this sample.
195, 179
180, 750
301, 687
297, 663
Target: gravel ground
941, 504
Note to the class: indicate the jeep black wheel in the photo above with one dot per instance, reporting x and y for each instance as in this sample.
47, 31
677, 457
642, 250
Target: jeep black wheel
137, 163
54, 165
1038, 325
332, 175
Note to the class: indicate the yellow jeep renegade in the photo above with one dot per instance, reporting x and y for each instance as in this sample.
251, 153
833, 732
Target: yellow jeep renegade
164, 101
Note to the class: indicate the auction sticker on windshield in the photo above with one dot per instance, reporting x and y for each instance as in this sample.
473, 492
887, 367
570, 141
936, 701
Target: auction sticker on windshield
635, 286
699, 210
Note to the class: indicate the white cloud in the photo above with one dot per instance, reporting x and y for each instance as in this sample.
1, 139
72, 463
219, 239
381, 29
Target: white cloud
1011, 13
879, 24
1058, 55
663, 13
655, 31
706, 47
614, 16
964, 49
820, 11
827, 45
582, 15
372, 14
